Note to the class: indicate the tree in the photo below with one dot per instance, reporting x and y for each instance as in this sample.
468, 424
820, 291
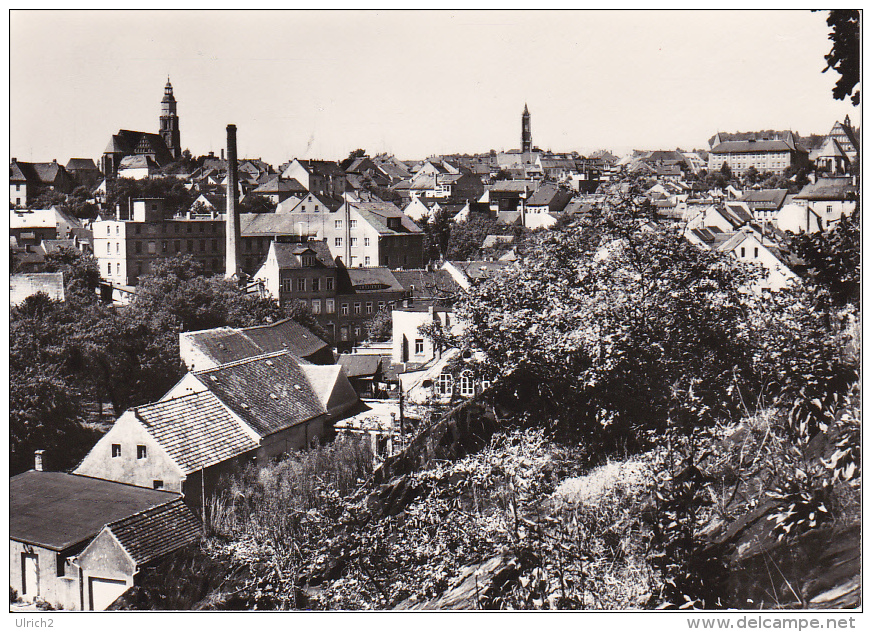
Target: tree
844, 56
466, 238
352, 156
81, 274
752, 176
604, 323
379, 328
438, 229
833, 258
257, 204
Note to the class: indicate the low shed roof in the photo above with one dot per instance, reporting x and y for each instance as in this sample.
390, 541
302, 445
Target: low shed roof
57, 510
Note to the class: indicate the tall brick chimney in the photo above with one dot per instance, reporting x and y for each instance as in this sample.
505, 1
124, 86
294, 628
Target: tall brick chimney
232, 229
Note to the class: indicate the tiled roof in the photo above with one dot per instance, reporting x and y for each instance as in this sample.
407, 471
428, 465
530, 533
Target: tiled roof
427, 283
773, 197
280, 185
126, 141
745, 146
513, 186
828, 189
284, 335
269, 392
223, 344
287, 253
54, 245
266, 224
736, 214
377, 214
57, 510
154, 532
323, 167
359, 365
195, 430
76, 164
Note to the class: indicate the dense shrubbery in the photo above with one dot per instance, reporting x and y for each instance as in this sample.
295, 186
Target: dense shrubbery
67, 355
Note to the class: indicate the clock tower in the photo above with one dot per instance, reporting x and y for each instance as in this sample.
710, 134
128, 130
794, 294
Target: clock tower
169, 122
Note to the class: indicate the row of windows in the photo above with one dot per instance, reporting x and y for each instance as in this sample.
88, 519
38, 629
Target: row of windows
337, 241
137, 227
141, 452
216, 265
314, 284
465, 384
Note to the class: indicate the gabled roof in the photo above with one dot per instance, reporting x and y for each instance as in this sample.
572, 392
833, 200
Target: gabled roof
127, 141
768, 197
828, 189
285, 335
157, 531
378, 213
736, 214
513, 186
322, 167
278, 184
288, 254
223, 344
269, 392
266, 224
81, 164
427, 283
54, 245
57, 510
195, 430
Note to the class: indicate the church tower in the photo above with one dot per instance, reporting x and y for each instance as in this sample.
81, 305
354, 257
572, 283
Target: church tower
526, 135
169, 122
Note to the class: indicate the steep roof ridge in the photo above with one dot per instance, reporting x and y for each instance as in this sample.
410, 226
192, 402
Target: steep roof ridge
246, 361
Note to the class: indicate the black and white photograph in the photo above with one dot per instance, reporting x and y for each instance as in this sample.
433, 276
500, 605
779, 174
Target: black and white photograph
435, 310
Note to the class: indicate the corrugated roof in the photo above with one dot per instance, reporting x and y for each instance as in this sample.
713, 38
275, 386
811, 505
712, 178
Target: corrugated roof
57, 510
195, 430
153, 533
269, 392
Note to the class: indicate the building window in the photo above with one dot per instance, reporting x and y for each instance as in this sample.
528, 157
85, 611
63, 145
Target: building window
190, 244
152, 247
117, 247
367, 261
357, 308
137, 246
116, 450
352, 223
141, 452
329, 284
286, 285
165, 246
446, 383
353, 241
467, 385
117, 230
316, 306
157, 484
357, 332
301, 285
419, 346
381, 306
741, 252
138, 228
344, 309
109, 267
337, 223
337, 242
829, 208
485, 384
756, 253
329, 306
343, 333
366, 241
178, 245
369, 307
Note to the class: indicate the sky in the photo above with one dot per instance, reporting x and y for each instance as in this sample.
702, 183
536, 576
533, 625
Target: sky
312, 84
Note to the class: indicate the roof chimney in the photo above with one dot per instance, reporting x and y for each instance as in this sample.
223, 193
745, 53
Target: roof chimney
232, 228
37, 460
222, 153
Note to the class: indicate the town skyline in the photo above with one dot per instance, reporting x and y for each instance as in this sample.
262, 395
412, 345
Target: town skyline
649, 80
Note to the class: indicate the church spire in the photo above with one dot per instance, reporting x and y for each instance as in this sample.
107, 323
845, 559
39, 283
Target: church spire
169, 121
526, 134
